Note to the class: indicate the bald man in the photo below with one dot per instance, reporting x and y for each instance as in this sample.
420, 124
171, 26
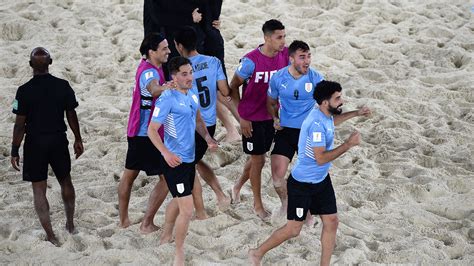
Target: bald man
39, 106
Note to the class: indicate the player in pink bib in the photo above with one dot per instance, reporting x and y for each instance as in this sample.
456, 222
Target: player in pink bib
141, 154
256, 123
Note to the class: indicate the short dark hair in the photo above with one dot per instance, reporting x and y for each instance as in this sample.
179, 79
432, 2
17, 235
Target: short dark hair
151, 42
297, 45
176, 62
325, 89
272, 25
187, 37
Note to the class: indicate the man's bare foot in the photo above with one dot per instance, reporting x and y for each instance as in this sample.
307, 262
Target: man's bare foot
179, 258
165, 239
235, 195
200, 216
262, 214
150, 228
70, 228
224, 203
125, 223
253, 258
53, 240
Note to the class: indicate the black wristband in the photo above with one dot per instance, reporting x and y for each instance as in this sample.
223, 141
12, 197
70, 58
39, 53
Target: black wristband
15, 150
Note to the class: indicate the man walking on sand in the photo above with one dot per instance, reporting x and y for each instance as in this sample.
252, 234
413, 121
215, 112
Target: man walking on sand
209, 80
39, 106
290, 99
141, 154
309, 184
256, 124
178, 111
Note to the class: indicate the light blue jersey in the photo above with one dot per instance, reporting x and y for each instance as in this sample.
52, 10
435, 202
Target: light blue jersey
177, 112
207, 70
245, 68
146, 98
317, 131
295, 95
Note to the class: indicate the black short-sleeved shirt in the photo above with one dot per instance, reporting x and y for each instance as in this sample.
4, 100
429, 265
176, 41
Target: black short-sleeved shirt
43, 101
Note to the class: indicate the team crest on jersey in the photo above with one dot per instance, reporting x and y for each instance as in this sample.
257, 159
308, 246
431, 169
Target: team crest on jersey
195, 98
250, 146
308, 87
180, 188
299, 212
156, 112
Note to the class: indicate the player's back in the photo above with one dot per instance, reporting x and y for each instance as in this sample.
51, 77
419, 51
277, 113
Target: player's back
207, 71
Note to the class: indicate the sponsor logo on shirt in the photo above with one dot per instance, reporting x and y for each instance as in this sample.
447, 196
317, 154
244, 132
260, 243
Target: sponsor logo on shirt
264, 75
316, 136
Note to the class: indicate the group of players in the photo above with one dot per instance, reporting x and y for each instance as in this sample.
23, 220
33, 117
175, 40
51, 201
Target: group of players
283, 100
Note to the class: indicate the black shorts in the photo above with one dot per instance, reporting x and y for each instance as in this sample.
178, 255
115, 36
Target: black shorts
142, 155
201, 144
180, 179
318, 198
39, 151
286, 142
262, 138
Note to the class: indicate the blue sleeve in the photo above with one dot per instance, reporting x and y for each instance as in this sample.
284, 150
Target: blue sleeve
147, 76
317, 135
245, 68
162, 109
273, 91
220, 71
316, 77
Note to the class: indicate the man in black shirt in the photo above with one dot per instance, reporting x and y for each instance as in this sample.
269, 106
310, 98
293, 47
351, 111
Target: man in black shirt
39, 106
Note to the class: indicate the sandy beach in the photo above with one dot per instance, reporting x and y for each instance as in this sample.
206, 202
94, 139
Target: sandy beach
405, 195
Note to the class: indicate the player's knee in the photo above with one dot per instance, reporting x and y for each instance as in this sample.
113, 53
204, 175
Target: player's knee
331, 223
294, 231
187, 213
258, 160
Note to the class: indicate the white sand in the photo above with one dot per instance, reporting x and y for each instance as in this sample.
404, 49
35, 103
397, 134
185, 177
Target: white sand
404, 196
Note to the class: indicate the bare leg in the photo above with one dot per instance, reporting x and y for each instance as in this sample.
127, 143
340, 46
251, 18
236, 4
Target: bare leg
230, 106
198, 201
171, 213
186, 207
290, 230
241, 181
124, 190
42, 209
208, 175
69, 198
232, 133
158, 195
328, 237
256, 181
279, 167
